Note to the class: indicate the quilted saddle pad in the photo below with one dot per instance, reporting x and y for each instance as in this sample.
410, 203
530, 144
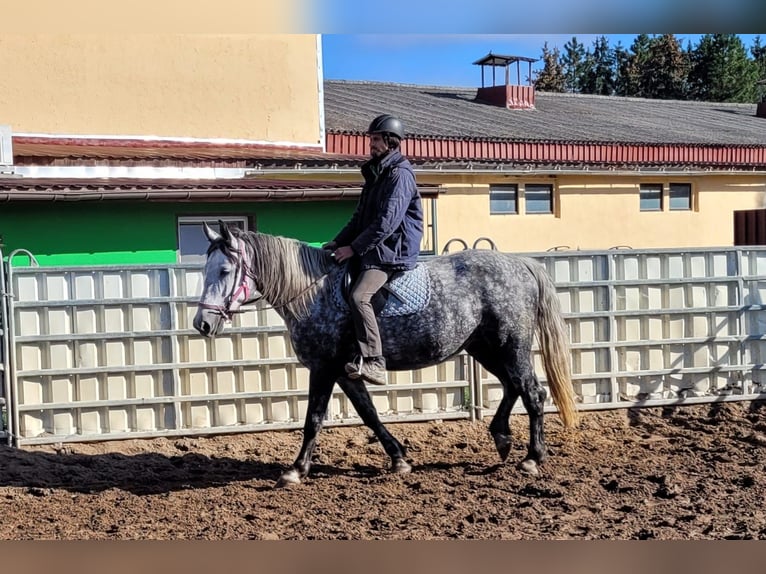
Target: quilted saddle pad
408, 292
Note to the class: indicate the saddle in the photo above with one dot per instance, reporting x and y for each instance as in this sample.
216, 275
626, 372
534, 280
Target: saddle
406, 292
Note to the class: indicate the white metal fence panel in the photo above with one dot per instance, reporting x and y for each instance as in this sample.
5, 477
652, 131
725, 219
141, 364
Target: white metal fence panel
659, 327
110, 352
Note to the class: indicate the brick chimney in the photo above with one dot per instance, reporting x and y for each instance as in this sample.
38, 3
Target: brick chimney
511, 96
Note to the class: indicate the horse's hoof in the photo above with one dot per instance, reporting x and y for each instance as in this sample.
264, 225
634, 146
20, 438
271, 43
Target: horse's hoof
503, 445
289, 478
400, 466
529, 466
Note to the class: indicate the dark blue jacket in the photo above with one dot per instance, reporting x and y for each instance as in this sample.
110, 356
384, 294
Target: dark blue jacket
386, 228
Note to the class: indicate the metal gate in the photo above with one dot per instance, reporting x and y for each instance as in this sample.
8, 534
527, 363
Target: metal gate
109, 352
5, 381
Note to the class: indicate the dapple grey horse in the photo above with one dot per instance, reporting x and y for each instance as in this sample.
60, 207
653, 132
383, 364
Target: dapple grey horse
488, 303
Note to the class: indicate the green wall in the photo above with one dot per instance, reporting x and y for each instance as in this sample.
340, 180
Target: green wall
112, 233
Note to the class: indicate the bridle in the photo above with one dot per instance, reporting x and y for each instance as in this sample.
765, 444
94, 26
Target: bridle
243, 272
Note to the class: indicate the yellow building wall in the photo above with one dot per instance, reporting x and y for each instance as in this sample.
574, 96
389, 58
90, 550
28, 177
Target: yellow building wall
255, 87
596, 212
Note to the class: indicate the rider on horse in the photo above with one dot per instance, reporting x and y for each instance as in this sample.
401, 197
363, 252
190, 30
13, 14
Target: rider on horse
383, 235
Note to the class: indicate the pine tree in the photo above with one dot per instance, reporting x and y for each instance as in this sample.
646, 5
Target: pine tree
587, 78
665, 69
759, 57
688, 59
551, 77
721, 70
621, 70
759, 60
573, 61
717, 69
637, 62
598, 74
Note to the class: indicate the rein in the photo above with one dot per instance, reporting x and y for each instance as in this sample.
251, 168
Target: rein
298, 296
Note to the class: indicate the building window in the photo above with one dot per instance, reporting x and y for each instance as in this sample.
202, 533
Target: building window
503, 198
680, 197
428, 243
651, 196
192, 242
538, 198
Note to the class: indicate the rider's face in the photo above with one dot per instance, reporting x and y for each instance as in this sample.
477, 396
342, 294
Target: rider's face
377, 145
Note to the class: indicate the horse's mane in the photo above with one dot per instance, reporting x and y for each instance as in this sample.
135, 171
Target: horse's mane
288, 271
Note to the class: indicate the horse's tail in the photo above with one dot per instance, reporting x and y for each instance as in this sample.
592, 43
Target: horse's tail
554, 346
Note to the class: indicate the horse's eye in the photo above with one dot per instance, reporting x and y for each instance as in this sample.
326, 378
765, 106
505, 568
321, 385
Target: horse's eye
224, 272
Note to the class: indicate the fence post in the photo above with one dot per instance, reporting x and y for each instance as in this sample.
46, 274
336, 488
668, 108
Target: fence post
11, 400
477, 390
5, 366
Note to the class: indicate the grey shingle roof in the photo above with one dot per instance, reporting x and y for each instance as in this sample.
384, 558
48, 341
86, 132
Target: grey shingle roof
437, 111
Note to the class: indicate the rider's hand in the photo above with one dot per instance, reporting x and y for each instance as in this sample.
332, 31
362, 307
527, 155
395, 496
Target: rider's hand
343, 253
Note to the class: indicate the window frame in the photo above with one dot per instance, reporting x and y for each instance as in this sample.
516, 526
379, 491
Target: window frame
428, 242
656, 187
690, 196
503, 189
212, 221
550, 190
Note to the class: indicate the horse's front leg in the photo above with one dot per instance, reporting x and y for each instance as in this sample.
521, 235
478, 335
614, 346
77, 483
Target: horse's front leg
321, 382
360, 398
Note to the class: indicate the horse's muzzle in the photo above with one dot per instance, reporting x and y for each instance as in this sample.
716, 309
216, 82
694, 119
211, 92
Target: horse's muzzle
207, 327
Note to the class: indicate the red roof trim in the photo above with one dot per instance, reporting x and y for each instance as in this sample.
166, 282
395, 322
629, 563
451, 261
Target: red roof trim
36, 146
152, 143
559, 152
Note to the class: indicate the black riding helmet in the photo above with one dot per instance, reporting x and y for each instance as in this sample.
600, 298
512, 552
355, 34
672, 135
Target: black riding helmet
387, 123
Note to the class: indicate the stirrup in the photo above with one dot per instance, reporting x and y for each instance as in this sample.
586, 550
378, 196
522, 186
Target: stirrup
354, 367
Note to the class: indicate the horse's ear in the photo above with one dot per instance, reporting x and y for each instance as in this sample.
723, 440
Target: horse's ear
211, 235
226, 234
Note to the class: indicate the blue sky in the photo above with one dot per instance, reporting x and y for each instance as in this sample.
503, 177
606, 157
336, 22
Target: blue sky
519, 16
446, 59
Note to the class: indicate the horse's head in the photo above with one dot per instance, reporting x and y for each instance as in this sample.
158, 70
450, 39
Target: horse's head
229, 281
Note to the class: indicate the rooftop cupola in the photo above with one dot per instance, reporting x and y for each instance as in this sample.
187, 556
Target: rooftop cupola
507, 95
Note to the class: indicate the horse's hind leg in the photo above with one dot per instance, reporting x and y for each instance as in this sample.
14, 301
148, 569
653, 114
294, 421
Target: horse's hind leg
514, 370
533, 396
499, 428
360, 398
520, 379
320, 390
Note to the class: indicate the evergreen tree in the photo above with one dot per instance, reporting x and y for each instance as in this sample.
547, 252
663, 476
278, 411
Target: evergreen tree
664, 72
598, 73
621, 70
551, 77
759, 57
688, 59
587, 79
573, 61
636, 64
759, 60
721, 71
